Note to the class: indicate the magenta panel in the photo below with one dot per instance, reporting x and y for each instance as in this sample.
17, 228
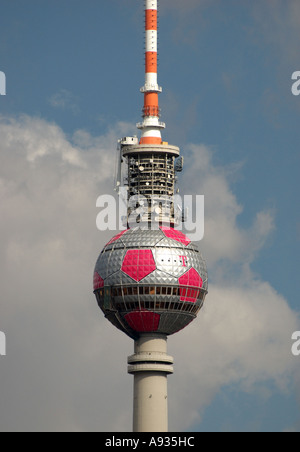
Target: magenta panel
190, 278
143, 321
98, 281
175, 235
138, 264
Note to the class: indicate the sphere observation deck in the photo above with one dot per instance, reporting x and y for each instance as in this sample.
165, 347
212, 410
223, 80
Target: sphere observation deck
150, 281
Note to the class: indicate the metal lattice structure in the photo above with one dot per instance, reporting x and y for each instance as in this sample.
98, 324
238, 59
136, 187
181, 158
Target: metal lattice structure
151, 175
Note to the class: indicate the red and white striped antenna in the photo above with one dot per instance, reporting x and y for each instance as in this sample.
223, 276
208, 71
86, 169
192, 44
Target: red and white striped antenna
151, 126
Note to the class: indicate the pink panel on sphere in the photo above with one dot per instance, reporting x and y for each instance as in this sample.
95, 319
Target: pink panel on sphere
175, 235
190, 278
98, 281
116, 237
143, 321
138, 263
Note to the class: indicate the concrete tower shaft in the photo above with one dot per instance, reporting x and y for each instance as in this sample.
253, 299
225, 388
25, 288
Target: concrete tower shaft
150, 366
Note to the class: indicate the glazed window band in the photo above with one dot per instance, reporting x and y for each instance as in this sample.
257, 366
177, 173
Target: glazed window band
154, 298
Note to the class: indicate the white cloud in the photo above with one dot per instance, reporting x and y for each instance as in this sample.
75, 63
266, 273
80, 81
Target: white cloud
66, 365
241, 339
242, 336
65, 100
57, 347
224, 238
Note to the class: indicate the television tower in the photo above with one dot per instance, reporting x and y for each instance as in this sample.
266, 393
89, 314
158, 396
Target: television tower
150, 280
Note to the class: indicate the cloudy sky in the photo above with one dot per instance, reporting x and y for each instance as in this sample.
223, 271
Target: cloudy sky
73, 70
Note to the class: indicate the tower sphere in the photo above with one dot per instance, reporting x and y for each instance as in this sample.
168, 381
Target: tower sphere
150, 281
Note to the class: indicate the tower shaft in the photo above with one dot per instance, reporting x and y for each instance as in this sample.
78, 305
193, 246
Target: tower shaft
150, 366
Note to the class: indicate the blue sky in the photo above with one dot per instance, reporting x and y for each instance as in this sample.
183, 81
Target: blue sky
73, 73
